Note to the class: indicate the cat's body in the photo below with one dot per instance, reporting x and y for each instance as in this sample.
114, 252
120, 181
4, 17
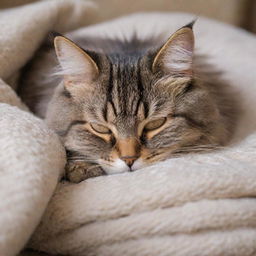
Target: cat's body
127, 104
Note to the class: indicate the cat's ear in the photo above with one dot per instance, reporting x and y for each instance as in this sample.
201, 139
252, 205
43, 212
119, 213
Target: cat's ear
175, 56
76, 64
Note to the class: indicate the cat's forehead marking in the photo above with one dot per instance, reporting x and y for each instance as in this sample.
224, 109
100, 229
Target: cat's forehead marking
126, 86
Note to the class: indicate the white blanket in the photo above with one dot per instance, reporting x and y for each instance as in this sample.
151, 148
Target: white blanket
195, 205
32, 156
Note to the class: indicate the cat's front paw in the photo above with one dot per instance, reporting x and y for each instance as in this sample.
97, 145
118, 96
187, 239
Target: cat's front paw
77, 171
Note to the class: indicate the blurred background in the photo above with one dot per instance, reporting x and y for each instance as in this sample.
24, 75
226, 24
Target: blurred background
240, 13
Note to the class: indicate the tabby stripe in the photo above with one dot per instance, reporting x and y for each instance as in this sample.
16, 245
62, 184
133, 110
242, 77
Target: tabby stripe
137, 108
73, 153
109, 92
146, 109
141, 89
140, 84
113, 106
119, 87
110, 83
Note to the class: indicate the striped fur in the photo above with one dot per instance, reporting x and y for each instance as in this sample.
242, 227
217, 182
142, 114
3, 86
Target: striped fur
132, 88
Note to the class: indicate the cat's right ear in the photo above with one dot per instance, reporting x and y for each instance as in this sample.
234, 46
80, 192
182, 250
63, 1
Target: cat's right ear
176, 55
76, 65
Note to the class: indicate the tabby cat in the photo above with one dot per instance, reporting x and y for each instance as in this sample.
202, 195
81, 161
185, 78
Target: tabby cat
123, 105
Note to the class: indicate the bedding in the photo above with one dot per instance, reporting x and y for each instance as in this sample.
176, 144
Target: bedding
194, 205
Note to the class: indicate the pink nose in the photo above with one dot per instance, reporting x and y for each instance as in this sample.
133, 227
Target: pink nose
129, 160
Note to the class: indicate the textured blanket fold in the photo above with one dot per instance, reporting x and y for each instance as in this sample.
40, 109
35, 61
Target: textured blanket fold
133, 212
32, 157
195, 205
23, 28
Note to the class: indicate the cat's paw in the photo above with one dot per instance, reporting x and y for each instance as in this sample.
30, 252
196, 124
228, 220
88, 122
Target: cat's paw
77, 171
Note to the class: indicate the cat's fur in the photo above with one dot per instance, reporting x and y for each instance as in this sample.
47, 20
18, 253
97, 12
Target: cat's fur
123, 86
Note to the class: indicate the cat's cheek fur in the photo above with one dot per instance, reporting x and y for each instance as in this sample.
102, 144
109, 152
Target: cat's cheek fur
138, 164
117, 166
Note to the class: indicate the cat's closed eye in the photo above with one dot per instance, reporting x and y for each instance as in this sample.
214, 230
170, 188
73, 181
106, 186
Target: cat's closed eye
155, 124
100, 128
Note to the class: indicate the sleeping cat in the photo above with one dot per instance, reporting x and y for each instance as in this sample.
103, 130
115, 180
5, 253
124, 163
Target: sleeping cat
123, 105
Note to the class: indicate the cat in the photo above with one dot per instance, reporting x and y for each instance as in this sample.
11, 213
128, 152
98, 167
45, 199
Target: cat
119, 106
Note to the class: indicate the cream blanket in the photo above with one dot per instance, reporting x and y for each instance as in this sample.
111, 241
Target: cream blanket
195, 205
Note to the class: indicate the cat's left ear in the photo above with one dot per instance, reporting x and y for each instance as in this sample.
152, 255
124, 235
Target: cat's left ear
76, 64
175, 56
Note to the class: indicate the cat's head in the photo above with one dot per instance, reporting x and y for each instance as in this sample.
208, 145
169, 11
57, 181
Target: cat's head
126, 110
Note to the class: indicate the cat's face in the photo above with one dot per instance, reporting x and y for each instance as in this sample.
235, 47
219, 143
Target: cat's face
125, 112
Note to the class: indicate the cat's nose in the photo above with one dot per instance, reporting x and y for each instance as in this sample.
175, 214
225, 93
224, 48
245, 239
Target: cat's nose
128, 150
129, 160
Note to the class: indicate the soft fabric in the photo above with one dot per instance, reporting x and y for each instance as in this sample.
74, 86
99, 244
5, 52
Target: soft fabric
32, 157
23, 29
31, 161
195, 205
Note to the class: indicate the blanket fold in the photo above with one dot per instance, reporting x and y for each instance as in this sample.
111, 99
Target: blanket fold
27, 26
161, 190
160, 209
32, 157
32, 161
194, 205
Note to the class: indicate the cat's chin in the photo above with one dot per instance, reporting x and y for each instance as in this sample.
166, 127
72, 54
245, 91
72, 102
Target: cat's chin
118, 166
